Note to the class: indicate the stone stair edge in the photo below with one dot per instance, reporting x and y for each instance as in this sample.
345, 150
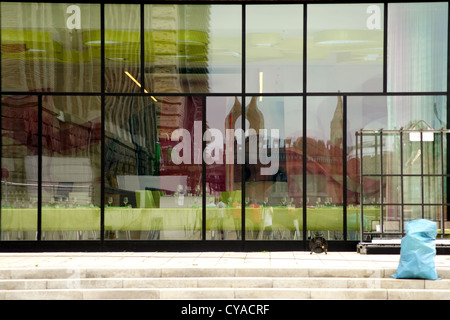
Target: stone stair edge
228, 293
54, 273
220, 283
311, 272
66, 272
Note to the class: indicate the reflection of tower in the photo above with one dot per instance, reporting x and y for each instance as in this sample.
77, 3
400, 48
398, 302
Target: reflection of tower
334, 153
337, 125
230, 123
254, 116
255, 120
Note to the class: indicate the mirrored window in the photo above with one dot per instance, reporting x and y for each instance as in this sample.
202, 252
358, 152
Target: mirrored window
45, 47
274, 40
122, 48
397, 167
224, 159
19, 167
153, 178
325, 166
417, 46
345, 48
193, 48
71, 167
274, 169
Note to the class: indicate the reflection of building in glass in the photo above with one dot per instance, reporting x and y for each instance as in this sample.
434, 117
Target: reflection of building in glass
177, 56
325, 163
91, 103
70, 142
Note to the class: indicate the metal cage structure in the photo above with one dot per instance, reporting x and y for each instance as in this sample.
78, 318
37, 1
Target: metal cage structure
385, 169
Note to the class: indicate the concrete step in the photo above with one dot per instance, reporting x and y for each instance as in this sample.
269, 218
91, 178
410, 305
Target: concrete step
216, 283
211, 282
202, 272
226, 294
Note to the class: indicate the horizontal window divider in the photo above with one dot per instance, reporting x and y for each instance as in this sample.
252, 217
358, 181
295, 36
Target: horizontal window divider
225, 94
249, 2
45, 93
384, 233
407, 175
343, 93
384, 204
394, 233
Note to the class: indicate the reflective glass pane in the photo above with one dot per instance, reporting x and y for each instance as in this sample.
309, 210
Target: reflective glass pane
45, 47
274, 50
412, 189
392, 113
434, 213
122, 48
193, 48
345, 47
273, 173
392, 219
419, 113
325, 165
432, 189
19, 163
412, 212
417, 46
224, 158
152, 176
390, 222
71, 167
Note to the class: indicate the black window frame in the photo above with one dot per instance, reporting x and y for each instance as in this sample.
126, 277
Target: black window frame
207, 245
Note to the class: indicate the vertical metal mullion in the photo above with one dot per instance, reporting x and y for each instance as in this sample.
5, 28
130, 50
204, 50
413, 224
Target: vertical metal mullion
39, 182
421, 176
381, 183
1, 57
385, 86
442, 185
344, 163
304, 115
1, 140
385, 50
361, 189
448, 114
142, 47
243, 75
357, 157
402, 200
203, 170
304, 172
102, 125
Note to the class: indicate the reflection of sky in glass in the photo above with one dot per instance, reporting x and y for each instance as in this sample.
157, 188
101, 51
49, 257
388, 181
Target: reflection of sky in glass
344, 49
372, 113
417, 45
274, 40
321, 111
224, 48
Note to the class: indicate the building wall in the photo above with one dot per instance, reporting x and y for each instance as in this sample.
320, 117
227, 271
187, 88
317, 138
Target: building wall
126, 139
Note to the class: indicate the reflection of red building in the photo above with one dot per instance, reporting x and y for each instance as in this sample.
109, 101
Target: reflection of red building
20, 126
60, 136
324, 164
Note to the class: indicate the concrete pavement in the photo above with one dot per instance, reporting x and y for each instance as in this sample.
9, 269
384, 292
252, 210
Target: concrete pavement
291, 275
289, 259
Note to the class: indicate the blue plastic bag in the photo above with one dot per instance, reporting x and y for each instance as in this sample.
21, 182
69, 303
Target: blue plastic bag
418, 250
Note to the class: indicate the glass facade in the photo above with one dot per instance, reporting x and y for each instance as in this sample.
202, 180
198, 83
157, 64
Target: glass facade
215, 125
